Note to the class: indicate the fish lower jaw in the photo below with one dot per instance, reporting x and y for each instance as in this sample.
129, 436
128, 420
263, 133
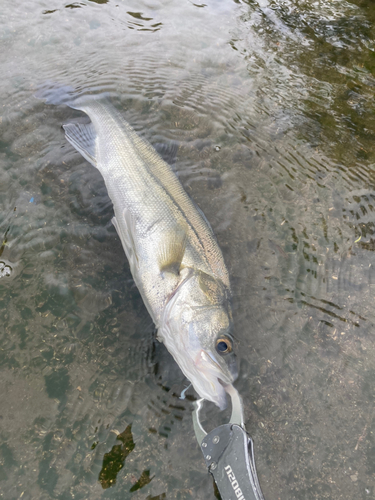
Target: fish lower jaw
219, 399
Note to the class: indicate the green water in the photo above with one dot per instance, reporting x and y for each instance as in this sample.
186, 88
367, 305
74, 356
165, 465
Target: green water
266, 112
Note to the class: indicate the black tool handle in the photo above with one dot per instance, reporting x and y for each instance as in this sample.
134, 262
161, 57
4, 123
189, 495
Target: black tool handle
228, 452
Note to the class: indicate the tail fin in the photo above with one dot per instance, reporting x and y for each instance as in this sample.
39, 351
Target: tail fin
53, 93
83, 139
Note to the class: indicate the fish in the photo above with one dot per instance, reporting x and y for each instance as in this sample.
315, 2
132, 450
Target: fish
174, 257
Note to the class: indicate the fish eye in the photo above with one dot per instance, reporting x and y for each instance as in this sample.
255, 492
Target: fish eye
223, 345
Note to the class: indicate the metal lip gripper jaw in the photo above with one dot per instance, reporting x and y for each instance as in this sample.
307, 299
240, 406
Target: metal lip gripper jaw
229, 453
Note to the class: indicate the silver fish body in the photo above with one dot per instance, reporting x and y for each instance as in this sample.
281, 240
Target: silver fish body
174, 258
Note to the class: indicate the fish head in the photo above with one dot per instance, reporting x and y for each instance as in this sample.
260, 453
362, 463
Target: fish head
197, 332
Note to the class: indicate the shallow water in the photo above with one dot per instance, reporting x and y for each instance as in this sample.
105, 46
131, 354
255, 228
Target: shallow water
266, 111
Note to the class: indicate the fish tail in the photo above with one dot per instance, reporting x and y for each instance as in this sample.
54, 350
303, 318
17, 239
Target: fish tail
58, 94
54, 93
81, 136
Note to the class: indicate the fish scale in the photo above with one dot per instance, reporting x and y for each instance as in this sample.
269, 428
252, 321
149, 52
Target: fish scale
137, 180
174, 258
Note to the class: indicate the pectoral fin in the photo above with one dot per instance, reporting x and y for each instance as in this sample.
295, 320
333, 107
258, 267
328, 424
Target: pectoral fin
172, 251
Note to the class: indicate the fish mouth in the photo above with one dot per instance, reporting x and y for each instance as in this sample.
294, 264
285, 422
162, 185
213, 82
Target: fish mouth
212, 380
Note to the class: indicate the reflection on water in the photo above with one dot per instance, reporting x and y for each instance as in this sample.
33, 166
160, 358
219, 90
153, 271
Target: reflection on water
265, 109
